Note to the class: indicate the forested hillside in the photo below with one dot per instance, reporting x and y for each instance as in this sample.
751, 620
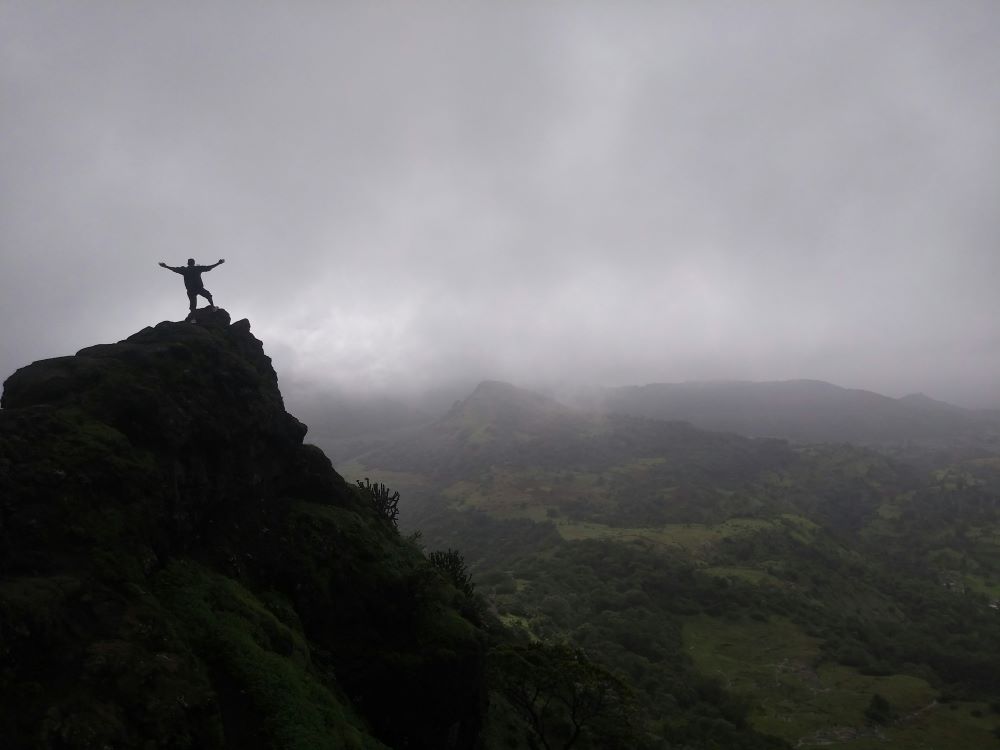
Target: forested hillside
749, 593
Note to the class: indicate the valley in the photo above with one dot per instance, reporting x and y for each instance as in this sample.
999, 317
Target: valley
751, 592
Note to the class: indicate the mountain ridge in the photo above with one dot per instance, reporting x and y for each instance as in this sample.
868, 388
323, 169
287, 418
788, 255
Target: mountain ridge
802, 410
799, 410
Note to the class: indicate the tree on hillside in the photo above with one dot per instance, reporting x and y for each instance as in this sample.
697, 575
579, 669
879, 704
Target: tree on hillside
564, 697
452, 564
382, 499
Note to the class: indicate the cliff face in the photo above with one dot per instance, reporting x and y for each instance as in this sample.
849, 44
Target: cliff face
178, 570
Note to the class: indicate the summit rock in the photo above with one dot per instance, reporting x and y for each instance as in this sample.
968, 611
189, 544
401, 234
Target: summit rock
178, 568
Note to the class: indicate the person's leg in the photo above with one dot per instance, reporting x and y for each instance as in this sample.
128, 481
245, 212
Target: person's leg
192, 299
207, 295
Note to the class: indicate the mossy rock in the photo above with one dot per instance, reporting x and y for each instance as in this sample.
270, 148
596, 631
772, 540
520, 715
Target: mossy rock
261, 667
178, 568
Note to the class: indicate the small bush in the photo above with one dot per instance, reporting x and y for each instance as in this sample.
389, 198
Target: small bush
879, 710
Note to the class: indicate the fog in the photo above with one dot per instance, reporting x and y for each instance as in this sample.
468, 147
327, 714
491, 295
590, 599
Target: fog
414, 195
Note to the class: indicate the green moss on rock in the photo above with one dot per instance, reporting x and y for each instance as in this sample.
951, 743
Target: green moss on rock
265, 660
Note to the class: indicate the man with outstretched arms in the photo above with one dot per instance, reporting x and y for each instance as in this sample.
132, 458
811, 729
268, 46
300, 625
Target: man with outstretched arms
192, 280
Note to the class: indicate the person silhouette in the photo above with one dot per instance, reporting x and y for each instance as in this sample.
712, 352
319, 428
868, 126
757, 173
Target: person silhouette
192, 280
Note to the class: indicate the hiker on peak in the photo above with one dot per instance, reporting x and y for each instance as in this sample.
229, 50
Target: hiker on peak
192, 280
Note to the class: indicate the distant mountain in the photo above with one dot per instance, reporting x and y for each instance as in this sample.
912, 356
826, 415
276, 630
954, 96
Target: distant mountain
500, 426
798, 410
494, 399
522, 450
922, 401
346, 423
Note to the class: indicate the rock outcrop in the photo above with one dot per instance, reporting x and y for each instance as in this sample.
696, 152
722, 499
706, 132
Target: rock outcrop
178, 570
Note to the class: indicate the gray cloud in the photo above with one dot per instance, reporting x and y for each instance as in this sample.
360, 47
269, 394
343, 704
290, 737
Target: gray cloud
564, 192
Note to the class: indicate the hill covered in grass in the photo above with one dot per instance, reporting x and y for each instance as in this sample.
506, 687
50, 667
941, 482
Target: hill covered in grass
749, 591
179, 570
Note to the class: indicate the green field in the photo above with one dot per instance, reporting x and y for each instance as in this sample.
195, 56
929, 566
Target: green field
692, 538
810, 703
779, 598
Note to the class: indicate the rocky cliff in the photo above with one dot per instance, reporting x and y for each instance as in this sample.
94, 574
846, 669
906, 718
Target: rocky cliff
178, 570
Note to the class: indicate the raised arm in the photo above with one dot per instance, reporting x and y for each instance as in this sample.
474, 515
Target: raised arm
170, 268
221, 261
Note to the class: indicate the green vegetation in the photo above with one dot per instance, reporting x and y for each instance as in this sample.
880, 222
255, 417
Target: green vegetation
563, 698
747, 593
452, 564
266, 662
879, 711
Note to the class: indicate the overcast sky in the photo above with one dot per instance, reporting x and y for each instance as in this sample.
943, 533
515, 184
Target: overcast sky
601, 193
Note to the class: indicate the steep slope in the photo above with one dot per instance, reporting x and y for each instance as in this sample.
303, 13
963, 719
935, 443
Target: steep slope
178, 568
800, 410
